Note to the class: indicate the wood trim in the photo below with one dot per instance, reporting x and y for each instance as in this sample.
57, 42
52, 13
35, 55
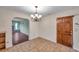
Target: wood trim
64, 17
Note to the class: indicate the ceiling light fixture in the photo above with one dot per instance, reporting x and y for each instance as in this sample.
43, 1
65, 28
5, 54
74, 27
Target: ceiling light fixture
36, 17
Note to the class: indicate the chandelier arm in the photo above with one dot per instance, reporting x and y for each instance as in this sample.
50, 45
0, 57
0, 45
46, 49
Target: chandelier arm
36, 9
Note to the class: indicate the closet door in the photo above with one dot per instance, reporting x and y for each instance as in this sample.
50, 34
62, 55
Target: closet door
59, 30
65, 31
68, 31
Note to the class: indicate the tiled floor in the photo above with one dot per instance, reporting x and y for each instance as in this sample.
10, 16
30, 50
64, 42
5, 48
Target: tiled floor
39, 45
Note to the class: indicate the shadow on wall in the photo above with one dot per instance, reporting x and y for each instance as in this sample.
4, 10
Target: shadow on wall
20, 30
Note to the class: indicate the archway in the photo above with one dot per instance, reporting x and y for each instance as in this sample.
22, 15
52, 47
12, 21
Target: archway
20, 30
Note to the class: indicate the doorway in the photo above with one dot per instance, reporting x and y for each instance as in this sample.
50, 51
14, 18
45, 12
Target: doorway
20, 30
65, 30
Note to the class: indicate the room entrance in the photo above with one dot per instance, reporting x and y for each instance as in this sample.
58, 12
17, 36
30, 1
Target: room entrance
20, 30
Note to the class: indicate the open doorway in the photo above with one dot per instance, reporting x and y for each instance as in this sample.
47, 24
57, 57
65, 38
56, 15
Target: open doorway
20, 30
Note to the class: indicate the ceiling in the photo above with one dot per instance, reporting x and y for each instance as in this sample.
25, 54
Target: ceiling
44, 10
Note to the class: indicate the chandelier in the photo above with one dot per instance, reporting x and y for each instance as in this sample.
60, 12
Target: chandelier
36, 16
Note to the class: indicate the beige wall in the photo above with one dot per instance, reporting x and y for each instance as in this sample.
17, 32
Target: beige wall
6, 17
34, 29
48, 26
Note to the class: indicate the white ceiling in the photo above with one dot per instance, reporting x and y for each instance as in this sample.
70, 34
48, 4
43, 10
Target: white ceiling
44, 10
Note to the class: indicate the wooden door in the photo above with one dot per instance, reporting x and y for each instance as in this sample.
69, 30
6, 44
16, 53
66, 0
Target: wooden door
65, 31
59, 30
68, 31
2, 41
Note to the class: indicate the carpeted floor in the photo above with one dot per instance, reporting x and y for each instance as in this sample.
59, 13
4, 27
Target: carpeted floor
39, 45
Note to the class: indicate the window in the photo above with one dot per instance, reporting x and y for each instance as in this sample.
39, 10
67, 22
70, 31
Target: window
16, 25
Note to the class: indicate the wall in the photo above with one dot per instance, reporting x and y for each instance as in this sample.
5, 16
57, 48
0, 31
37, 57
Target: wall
48, 26
34, 29
24, 27
6, 17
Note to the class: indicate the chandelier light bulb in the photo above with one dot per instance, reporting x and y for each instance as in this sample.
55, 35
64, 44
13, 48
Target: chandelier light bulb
32, 16
36, 15
40, 16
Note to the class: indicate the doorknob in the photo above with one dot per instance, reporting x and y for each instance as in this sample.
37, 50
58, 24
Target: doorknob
70, 33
